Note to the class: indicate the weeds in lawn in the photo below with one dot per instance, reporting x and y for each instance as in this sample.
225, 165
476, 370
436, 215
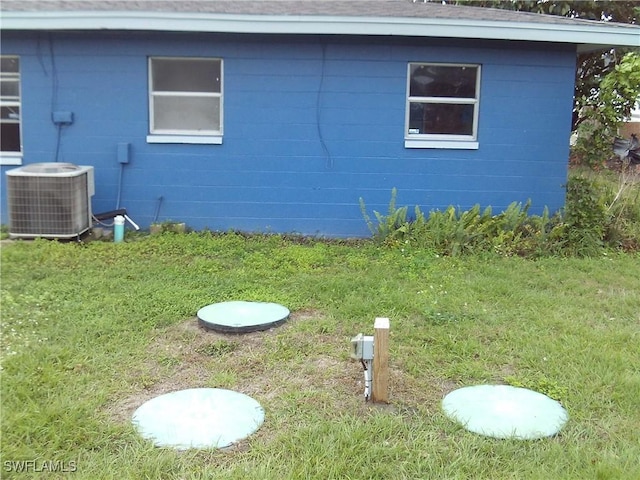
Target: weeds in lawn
218, 348
22, 317
550, 388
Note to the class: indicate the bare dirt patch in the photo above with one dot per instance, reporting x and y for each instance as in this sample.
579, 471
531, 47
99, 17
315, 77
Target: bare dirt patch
286, 369
264, 364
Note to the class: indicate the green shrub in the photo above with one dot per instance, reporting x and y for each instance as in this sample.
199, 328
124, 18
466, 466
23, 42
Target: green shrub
390, 226
600, 213
584, 217
593, 144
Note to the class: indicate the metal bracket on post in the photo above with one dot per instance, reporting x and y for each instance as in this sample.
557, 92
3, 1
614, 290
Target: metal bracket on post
362, 349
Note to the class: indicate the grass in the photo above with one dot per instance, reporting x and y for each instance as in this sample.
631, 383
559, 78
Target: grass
91, 331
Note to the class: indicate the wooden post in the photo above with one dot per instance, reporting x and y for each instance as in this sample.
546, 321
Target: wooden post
380, 390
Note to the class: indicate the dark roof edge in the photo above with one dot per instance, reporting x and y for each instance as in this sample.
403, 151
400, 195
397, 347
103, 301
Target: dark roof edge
579, 33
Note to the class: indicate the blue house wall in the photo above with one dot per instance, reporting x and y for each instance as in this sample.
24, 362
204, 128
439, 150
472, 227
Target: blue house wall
311, 124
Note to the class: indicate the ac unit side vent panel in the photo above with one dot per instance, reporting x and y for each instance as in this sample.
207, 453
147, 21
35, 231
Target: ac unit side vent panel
54, 204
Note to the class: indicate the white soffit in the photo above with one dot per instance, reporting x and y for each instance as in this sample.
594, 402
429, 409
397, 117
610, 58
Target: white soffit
587, 34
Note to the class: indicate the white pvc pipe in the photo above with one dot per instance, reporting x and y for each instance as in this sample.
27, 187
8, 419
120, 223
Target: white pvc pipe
131, 222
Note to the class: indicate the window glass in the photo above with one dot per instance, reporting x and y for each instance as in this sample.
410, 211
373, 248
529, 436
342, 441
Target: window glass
441, 118
10, 134
10, 88
441, 81
185, 96
172, 75
189, 113
442, 102
10, 141
10, 64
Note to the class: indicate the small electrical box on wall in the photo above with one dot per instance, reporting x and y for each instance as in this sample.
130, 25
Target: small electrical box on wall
124, 152
62, 118
362, 347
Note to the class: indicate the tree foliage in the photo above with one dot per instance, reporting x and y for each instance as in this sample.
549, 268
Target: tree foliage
592, 67
604, 108
619, 88
606, 10
607, 81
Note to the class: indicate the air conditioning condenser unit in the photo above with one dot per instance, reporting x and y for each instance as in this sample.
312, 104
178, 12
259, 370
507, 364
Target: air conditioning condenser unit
49, 200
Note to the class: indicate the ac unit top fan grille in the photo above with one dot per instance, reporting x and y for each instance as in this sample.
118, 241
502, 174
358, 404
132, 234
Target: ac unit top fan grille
49, 200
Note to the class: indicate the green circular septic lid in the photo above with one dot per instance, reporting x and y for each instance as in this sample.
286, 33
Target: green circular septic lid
198, 418
503, 411
242, 317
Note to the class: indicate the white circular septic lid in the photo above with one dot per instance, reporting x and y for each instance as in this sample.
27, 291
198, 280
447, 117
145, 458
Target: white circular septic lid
242, 317
198, 418
503, 411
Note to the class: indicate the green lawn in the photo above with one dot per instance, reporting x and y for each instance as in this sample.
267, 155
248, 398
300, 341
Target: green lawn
91, 331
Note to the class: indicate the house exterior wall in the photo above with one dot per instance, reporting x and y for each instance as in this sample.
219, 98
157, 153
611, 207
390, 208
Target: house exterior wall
311, 124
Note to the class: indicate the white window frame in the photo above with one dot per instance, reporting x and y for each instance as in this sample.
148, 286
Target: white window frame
12, 158
421, 140
209, 137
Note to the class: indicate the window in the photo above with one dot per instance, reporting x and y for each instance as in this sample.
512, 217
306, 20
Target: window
10, 131
442, 106
185, 100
